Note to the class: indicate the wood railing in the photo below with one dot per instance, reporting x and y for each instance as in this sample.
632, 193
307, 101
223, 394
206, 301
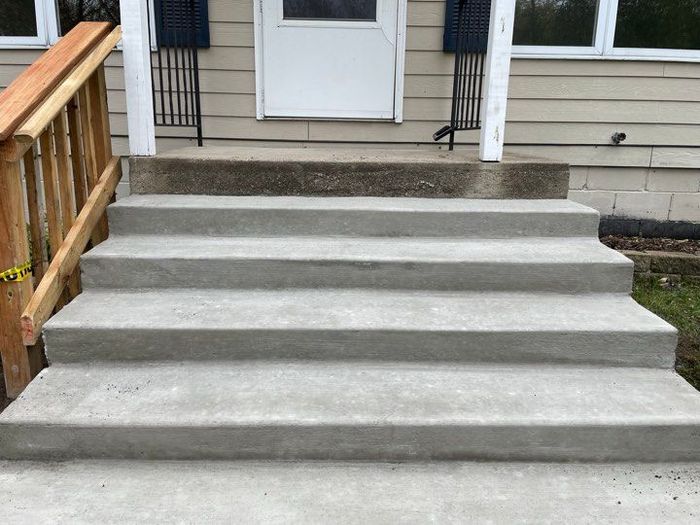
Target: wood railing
54, 133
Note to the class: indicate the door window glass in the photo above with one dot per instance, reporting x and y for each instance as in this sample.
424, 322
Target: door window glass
330, 10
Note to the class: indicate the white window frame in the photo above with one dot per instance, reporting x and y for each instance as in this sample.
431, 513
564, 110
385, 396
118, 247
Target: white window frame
46, 28
604, 44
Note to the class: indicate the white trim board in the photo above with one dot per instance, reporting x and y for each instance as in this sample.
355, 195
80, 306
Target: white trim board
398, 78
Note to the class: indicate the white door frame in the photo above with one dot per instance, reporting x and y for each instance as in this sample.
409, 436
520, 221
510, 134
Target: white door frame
399, 69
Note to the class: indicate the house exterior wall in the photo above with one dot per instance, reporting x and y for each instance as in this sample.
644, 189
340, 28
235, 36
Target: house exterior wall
561, 109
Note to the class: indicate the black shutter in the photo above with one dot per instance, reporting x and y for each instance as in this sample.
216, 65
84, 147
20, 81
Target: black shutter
479, 24
173, 25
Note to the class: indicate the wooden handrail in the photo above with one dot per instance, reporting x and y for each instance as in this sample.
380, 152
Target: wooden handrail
63, 118
64, 263
24, 94
46, 112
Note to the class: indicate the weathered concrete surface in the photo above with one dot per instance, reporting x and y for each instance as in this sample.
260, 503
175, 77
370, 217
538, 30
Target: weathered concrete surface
206, 215
333, 172
347, 493
379, 411
387, 325
534, 264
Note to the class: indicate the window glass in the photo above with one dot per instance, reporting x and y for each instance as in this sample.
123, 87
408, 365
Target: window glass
331, 9
18, 18
71, 12
555, 22
660, 24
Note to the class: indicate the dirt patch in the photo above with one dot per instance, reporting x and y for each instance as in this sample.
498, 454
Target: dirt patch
644, 244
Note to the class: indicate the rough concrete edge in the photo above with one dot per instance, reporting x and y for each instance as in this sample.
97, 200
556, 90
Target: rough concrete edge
542, 180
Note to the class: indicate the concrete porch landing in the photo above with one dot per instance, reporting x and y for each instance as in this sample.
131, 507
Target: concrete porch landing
347, 173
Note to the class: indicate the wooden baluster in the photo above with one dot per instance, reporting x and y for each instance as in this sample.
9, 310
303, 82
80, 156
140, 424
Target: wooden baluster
99, 120
36, 224
76, 155
65, 188
91, 173
14, 296
51, 195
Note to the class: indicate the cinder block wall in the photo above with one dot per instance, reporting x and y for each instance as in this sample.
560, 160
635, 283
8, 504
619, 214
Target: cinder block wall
642, 193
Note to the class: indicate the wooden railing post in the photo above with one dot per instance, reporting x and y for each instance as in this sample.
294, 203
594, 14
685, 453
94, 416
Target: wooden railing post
14, 295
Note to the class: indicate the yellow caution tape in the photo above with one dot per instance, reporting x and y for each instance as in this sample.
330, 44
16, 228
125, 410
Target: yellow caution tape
17, 274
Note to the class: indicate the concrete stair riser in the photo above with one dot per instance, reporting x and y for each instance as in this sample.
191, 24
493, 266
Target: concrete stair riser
658, 443
350, 173
641, 349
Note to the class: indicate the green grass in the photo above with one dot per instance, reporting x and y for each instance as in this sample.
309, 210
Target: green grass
678, 304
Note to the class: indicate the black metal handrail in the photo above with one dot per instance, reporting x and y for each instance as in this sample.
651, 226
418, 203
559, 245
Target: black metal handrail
472, 28
175, 68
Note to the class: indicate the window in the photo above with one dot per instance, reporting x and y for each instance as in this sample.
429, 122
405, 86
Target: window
39, 23
608, 28
555, 23
23, 23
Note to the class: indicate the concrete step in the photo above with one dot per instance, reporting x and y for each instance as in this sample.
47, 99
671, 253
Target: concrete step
350, 173
350, 216
535, 264
344, 411
359, 493
173, 324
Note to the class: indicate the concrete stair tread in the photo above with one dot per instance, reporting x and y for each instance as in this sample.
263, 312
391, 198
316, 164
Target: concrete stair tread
417, 205
216, 394
309, 309
348, 493
508, 251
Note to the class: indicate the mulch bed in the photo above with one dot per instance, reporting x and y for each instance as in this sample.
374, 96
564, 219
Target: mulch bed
644, 244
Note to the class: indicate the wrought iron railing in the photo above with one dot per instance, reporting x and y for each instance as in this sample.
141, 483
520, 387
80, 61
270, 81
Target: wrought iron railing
472, 30
175, 65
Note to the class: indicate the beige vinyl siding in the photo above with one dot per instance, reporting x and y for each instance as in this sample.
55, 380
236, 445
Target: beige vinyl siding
561, 109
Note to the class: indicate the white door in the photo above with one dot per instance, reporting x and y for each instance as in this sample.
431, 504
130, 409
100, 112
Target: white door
329, 58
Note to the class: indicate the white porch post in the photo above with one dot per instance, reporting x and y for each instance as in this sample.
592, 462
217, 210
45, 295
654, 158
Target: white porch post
493, 116
137, 76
